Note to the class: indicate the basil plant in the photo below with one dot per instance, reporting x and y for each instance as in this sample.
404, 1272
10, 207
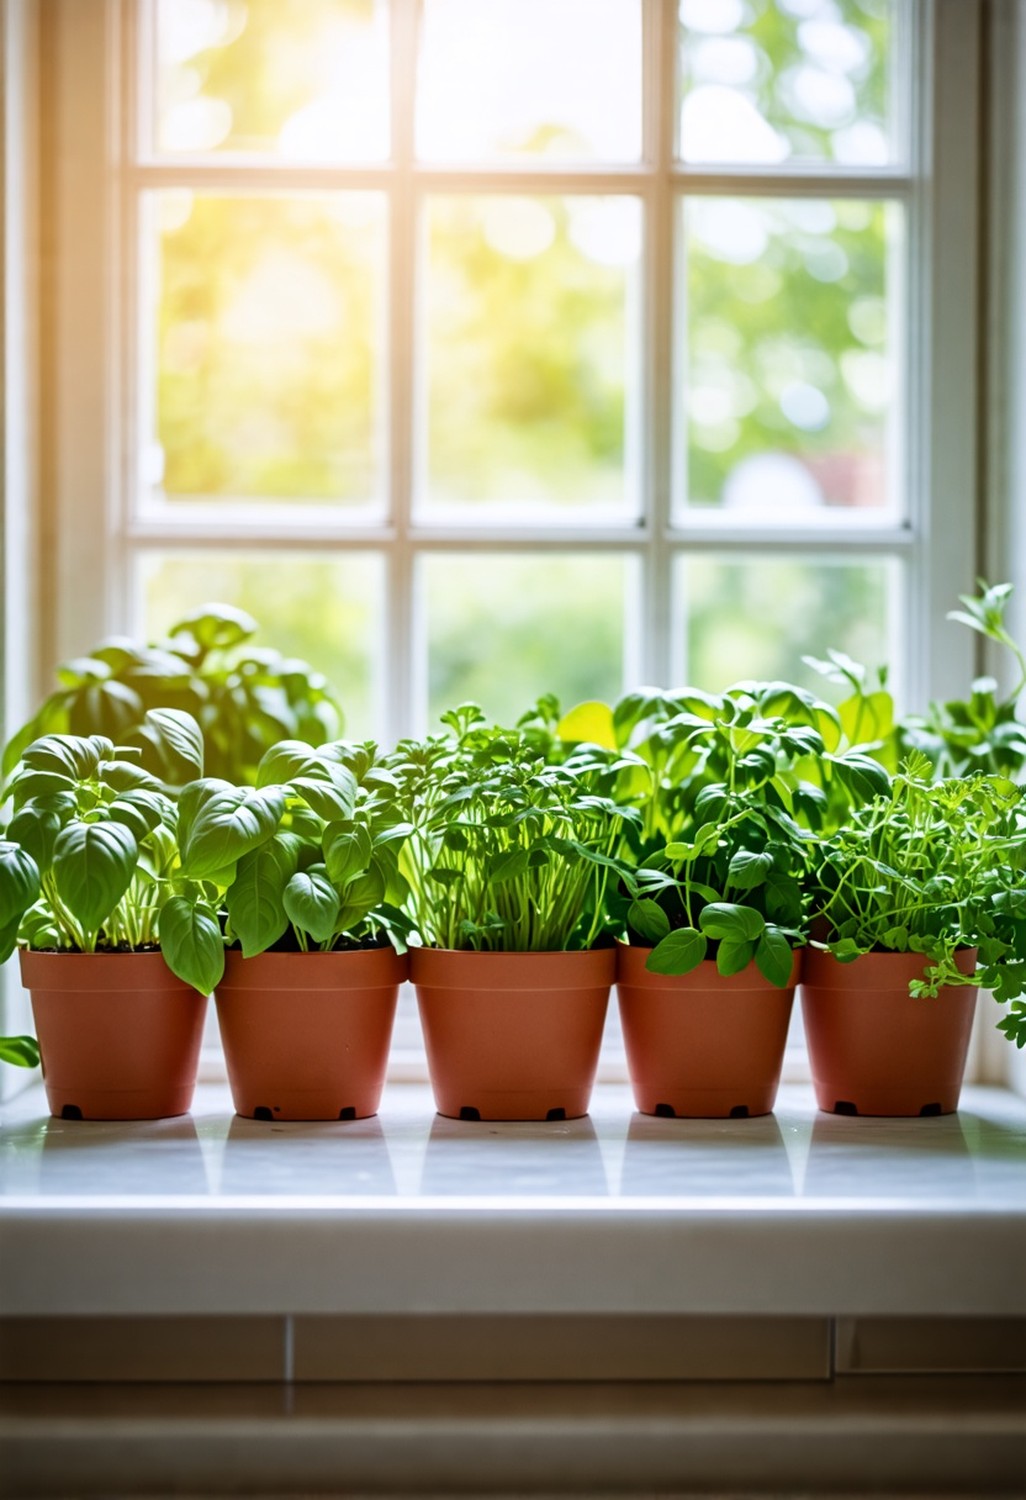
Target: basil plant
508, 851
244, 698
308, 859
932, 867
90, 862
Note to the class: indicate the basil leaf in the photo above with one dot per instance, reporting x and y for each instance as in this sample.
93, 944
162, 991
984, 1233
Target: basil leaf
191, 942
649, 920
19, 882
678, 953
93, 865
312, 905
773, 957
732, 957
20, 1051
220, 823
731, 923
255, 897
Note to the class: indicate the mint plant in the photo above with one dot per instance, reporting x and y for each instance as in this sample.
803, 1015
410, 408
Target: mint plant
508, 852
933, 867
727, 884
245, 699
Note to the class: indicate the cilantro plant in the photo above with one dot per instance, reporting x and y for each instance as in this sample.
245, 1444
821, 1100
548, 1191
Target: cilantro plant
508, 851
244, 699
306, 860
933, 867
90, 860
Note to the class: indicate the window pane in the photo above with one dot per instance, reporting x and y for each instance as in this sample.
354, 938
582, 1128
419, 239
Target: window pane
307, 80
743, 617
328, 611
267, 321
559, 79
792, 80
532, 326
793, 372
503, 630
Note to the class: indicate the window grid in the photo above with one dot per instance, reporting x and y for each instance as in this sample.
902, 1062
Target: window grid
665, 531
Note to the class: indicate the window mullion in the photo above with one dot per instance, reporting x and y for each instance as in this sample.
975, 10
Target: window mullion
658, 336
401, 634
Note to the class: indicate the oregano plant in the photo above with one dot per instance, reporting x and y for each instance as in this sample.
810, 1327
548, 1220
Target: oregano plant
933, 867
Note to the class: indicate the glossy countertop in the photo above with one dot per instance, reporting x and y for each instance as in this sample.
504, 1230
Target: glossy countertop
797, 1212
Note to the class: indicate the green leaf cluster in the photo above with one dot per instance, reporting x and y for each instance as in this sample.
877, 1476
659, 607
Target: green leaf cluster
982, 732
90, 861
932, 867
308, 859
727, 824
243, 698
509, 851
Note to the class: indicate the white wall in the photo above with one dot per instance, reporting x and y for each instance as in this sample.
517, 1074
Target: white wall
1004, 553
1005, 550
19, 447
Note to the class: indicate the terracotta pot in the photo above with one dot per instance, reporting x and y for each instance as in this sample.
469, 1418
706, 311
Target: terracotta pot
874, 1049
306, 1035
119, 1034
701, 1045
512, 1036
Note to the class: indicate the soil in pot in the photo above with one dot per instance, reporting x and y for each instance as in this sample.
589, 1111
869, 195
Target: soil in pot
512, 1036
306, 1035
700, 1045
876, 1050
118, 1033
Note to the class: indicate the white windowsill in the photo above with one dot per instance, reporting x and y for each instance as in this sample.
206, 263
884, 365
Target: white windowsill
795, 1213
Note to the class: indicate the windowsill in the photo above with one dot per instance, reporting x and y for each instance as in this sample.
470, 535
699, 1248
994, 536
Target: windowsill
795, 1213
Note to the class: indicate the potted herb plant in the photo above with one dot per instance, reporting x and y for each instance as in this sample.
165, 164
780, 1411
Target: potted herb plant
244, 698
983, 732
915, 901
316, 939
707, 976
91, 892
508, 864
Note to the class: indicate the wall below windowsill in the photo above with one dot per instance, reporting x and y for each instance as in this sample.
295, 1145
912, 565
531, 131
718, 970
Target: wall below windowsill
795, 1214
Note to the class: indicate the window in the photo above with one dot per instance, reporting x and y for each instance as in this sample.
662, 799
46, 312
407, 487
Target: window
487, 347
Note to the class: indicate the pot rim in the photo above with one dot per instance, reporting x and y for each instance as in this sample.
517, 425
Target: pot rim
911, 965
316, 970
705, 976
470, 968
45, 970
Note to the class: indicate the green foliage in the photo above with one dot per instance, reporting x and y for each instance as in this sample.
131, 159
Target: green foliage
508, 852
200, 698
984, 731
19, 1051
191, 942
719, 868
931, 868
91, 860
309, 858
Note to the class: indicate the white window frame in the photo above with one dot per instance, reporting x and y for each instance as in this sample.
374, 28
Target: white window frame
92, 176
98, 176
